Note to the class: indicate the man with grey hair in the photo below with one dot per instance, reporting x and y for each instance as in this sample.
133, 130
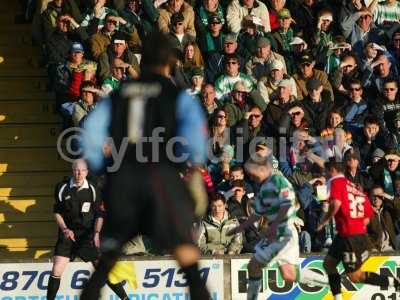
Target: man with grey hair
79, 216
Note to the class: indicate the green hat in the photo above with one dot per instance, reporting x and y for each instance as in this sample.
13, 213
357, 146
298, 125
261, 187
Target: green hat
284, 13
197, 71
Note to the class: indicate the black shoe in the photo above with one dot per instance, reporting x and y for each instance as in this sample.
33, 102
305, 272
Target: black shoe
396, 284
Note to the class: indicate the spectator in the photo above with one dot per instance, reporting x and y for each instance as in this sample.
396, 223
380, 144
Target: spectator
357, 108
359, 29
395, 47
248, 36
213, 238
381, 229
235, 173
100, 40
317, 104
71, 74
219, 131
388, 105
197, 77
284, 34
142, 14
372, 137
385, 172
176, 6
209, 10
50, 14
118, 49
259, 65
346, 72
209, 101
330, 55
278, 108
268, 85
237, 104
370, 52
225, 83
117, 75
340, 147
274, 7
304, 14
386, 13
192, 57
212, 38
86, 104
306, 66
96, 17
354, 173
375, 75
216, 61
238, 10
219, 167
237, 203
334, 120
294, 119
177, 32
323, 37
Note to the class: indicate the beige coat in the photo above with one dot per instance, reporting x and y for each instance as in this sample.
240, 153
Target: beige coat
165, 17
236, 13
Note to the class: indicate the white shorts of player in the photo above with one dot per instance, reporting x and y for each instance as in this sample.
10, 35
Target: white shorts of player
284, 251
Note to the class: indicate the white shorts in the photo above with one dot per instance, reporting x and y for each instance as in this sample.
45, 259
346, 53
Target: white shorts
285, 251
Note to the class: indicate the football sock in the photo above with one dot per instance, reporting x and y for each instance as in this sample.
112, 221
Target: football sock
334, 282
310, 277
253, 288
379, 280
52, 287
118, 289
197, 286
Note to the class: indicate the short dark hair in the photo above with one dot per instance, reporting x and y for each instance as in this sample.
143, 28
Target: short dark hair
355, 81
217, 197
231, 56
239, 183
237, 168
390, 80
337, 165
86, 84
371, 119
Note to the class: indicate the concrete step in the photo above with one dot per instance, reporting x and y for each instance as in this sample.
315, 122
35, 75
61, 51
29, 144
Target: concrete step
31, 160
30, 183
28, 111
29, 135
28, 229
26, 209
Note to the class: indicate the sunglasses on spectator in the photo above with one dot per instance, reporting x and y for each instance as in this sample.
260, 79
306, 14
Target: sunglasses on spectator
297, 113
348, 66
216, 23
112, 22
306, 65
365, 17
357, 89
178, 24
389, 89
221, 116
255, 116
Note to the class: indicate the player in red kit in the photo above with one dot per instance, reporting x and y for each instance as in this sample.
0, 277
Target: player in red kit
352, 211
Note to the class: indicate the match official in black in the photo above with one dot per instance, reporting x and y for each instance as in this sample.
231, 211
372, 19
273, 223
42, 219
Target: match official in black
79, 216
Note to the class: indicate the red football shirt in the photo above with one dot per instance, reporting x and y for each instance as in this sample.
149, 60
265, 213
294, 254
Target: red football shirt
354, 209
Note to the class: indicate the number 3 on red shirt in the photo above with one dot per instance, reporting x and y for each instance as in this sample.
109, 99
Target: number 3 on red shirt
356, 206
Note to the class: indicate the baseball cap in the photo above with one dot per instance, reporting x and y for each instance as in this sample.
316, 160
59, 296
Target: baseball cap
297, 41
197, 71
378, 153
230, 38
177, 17
214, 18
240, 87
284, 13
313, 84
284, 83
276, 64
77, 47
263, 42
306, 58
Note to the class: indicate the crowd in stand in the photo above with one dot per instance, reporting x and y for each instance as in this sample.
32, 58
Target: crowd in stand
302, 81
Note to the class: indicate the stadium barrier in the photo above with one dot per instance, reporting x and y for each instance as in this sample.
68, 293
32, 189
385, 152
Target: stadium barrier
159, 278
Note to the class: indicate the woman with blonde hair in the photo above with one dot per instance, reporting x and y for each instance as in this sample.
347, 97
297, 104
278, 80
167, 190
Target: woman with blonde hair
192, 57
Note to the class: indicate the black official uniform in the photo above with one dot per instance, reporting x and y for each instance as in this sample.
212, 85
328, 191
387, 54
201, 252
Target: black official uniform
146, 198
79, 209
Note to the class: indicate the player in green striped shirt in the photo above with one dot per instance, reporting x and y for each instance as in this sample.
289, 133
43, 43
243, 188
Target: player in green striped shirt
276, 202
